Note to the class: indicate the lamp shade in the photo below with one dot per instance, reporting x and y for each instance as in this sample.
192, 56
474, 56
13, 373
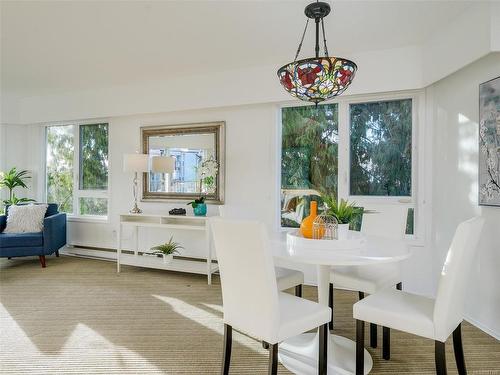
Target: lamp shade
135, 163
162, 164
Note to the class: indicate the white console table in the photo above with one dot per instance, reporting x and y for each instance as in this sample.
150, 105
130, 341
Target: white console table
166, 222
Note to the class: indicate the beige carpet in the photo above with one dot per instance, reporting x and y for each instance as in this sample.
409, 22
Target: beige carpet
77, 316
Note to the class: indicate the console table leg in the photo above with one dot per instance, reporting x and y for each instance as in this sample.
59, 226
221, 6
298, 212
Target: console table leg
119, 247
209, 252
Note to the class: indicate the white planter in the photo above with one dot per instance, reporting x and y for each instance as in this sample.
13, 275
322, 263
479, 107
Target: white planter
167, 258
343, 231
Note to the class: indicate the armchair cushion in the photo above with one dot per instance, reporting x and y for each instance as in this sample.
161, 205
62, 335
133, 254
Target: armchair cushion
21, 239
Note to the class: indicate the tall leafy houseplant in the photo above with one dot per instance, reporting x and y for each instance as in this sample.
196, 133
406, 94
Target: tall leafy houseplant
14, 179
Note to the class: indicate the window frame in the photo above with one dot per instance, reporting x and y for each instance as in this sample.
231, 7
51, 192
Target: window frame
416, 199
77, 192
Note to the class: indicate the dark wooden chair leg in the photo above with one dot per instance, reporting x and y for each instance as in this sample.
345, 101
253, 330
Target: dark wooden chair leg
42, 260
360, 347
273, 359
440, 357
399, 286
459, 350
298, 291
57, 253
386, 343
228, 343
323, 350
330, 303
265, 345
373, 335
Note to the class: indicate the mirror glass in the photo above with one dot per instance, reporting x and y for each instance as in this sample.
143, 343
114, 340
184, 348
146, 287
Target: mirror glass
197, 153
190, 152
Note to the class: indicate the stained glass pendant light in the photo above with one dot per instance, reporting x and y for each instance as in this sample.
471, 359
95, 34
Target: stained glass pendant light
317, 78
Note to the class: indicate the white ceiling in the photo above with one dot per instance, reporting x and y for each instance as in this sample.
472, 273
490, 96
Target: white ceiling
49, 47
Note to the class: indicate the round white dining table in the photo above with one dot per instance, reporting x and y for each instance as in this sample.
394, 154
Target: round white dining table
300, 353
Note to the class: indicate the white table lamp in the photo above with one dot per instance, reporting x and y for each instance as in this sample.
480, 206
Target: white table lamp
162, 164
137, 163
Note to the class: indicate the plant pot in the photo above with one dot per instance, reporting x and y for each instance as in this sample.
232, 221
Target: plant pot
200, 209
167, 258
342, 231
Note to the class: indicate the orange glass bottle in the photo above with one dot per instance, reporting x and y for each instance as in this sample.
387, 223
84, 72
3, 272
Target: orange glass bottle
306, 227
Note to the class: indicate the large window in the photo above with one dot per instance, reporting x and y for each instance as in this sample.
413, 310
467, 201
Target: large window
77, 168
309, 162
361, 151
380, 152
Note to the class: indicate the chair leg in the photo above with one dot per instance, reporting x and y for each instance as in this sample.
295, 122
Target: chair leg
330, 303
459, 350
360, 348
440, 357
273, 359
298, 291
386, 343
399, 286
57, 253
373, 335
42, 260
265, 345
323, 350
226, 355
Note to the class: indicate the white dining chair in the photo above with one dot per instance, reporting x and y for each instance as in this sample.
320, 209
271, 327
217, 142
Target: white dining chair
436, 318
388, 221
252, 302
286, 278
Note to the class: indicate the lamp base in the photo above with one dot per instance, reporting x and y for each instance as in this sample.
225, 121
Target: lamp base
135, 210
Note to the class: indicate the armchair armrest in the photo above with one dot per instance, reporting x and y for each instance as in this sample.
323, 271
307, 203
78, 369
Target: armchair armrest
54, 232
3, 222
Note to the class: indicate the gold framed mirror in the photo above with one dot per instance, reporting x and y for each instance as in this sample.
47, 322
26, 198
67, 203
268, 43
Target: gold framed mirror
198, 153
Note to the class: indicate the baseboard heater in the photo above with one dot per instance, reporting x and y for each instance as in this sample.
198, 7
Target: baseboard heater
102, 253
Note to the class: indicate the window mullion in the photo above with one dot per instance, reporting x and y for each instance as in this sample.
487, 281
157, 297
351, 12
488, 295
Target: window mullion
76, 170
343, 154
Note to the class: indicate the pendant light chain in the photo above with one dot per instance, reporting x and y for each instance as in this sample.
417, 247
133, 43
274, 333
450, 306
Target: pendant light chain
324, 37
301, 40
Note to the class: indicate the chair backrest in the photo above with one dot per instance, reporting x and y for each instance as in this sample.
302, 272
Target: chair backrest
387, 221
249, 290
450, 299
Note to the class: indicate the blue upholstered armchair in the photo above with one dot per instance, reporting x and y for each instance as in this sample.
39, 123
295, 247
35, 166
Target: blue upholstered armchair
47, 242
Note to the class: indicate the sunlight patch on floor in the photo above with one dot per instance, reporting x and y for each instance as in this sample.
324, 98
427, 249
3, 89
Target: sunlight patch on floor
205, 318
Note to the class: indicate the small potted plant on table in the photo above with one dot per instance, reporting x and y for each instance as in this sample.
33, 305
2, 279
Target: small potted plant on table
344, 212
199, 206
167, 250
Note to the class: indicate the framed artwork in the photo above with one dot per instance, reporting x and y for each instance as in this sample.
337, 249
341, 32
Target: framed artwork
489, 143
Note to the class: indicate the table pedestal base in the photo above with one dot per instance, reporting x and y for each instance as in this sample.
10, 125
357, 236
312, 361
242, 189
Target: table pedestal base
300, 355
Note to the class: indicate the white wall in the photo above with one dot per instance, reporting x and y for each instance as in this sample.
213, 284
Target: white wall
251, 182
454, 113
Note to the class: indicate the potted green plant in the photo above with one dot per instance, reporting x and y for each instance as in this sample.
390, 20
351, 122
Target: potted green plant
167, 250
199, 206
11, 180
344, 212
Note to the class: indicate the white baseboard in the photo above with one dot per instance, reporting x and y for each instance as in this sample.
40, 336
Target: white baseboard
482, 327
